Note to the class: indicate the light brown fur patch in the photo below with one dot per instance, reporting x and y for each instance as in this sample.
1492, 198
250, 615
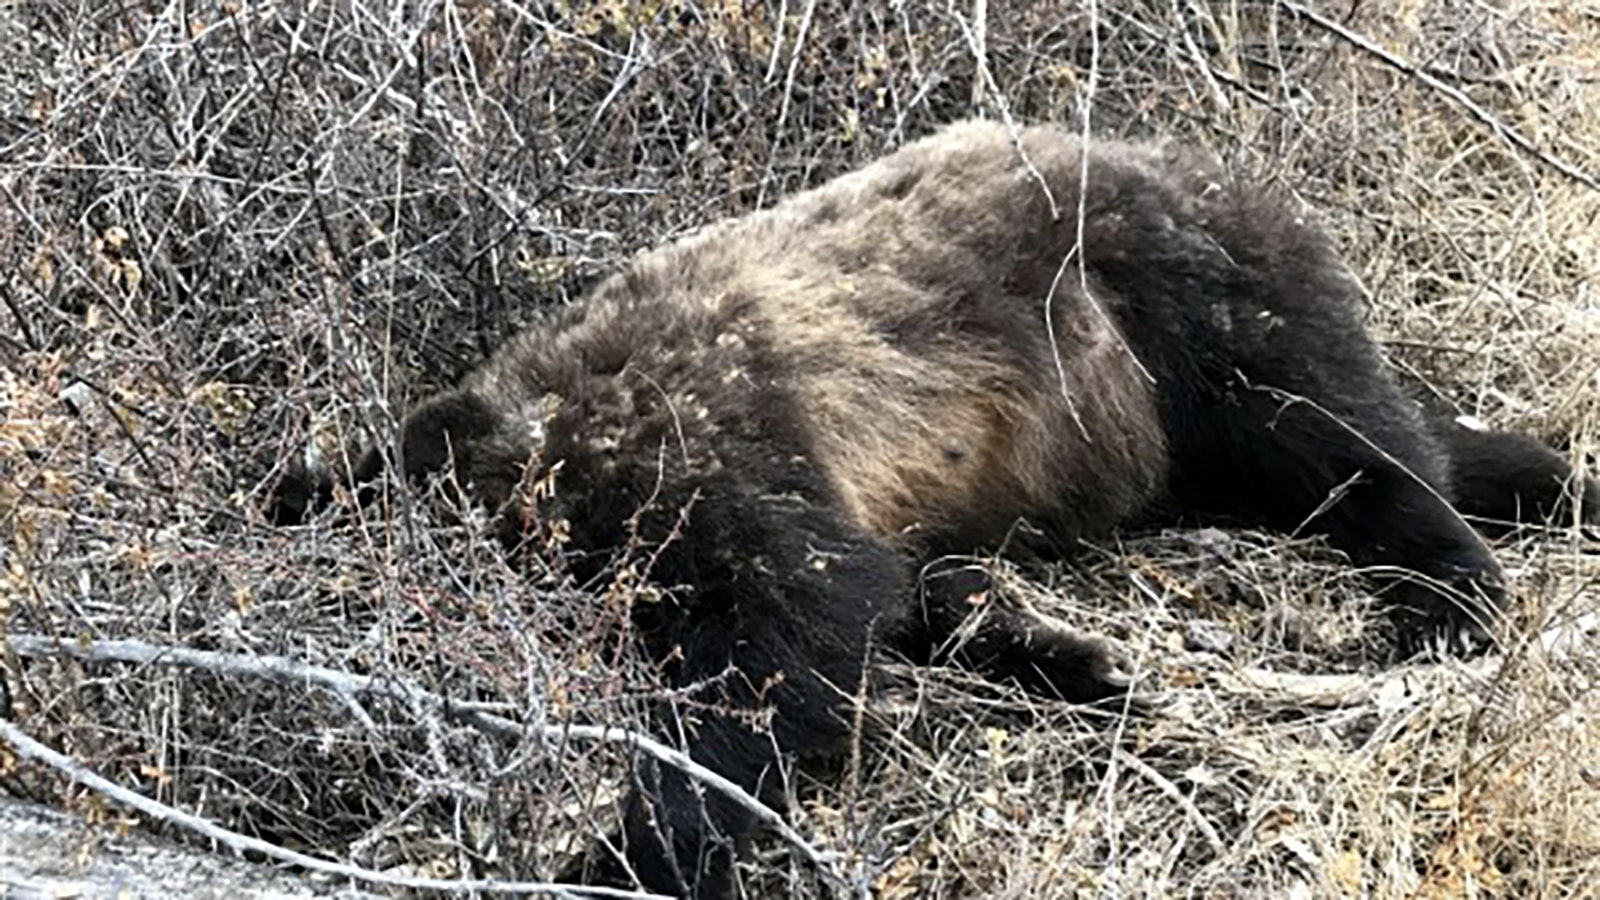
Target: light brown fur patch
904, 306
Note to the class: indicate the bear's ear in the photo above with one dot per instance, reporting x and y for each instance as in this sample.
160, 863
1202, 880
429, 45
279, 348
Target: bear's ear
442, 429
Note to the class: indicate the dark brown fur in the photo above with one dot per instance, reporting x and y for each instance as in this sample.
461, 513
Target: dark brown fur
863, 378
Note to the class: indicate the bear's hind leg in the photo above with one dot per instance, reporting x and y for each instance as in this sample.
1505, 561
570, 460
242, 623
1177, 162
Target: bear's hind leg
1350, 462
1500, 480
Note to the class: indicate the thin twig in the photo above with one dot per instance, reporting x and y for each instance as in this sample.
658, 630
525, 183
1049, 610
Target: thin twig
1506, 132
795, 57
980, 56
1175, 794
980, 49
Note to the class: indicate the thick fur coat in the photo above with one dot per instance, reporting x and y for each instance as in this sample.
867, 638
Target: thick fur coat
803, 405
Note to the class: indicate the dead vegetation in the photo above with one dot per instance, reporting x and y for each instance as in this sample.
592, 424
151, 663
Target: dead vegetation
232, 230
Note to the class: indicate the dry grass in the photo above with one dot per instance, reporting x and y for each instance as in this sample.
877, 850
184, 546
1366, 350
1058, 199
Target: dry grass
231, 229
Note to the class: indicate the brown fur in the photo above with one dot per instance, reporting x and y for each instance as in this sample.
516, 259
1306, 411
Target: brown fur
801, 406
929, 413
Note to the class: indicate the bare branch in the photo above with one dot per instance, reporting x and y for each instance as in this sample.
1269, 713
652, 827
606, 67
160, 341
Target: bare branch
287, 671
1506, 132
28, 748
1176, 795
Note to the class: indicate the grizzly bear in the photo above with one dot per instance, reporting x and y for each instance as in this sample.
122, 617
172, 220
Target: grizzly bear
800, 407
